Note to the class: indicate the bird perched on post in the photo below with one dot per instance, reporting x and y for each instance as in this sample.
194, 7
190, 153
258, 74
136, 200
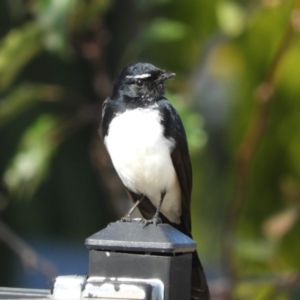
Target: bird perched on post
147, 144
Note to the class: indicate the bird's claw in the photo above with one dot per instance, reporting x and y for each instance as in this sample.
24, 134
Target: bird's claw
125, 219
129, 219
154, 221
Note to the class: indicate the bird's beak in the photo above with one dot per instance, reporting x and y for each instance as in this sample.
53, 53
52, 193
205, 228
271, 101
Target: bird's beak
165, 75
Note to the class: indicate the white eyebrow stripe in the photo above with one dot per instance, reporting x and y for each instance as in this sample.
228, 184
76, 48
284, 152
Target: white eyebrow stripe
146, 75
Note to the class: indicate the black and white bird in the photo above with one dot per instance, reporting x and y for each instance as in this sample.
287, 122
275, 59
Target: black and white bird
147, 144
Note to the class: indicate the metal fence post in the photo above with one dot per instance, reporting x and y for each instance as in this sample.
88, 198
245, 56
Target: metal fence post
135, 251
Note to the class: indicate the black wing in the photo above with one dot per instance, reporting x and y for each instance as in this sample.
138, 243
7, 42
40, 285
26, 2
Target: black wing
180, 158
182, 164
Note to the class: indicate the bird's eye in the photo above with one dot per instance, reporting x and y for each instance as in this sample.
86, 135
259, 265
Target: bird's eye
139, 82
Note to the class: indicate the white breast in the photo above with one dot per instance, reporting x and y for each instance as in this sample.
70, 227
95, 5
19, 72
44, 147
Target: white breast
141, 156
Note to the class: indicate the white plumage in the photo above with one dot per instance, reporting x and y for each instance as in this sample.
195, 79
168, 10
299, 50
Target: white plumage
141, 156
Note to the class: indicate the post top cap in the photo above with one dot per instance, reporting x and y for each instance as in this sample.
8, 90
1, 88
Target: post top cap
136, 237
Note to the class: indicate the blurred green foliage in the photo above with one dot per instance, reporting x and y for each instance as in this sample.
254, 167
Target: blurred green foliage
237, 64
30, 164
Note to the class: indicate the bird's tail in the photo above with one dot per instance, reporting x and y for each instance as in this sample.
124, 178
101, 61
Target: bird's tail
199, 287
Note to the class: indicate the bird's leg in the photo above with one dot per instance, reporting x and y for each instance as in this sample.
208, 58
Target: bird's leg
127, 217
156, 220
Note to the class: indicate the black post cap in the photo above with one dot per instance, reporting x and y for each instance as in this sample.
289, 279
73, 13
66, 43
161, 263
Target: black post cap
136, 237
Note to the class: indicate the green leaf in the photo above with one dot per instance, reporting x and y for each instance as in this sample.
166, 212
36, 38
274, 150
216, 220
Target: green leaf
52, 17
24, 97
260, 288
164, 30
258, 250
17, 48
30, 165
231, 17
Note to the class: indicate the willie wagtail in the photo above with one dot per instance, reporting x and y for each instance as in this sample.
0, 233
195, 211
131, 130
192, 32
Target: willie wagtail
147, 144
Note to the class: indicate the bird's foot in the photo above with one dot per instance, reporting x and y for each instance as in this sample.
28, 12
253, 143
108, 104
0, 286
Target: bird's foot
153, 221
129, 219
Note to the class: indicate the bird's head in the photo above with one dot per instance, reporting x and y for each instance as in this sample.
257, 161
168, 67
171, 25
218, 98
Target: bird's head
141, 81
